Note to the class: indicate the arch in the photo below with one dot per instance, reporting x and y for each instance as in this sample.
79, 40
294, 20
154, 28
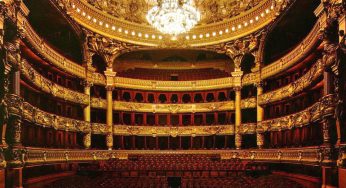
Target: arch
221, 96
99, 63
247, 63
139, 97
174, 98
198, 98
126, 96
210, 97
186, 98
162, 98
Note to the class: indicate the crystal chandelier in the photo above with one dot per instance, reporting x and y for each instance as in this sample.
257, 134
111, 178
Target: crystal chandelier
173, 16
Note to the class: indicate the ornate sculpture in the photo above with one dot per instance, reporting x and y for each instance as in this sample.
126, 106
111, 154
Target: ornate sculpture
108, 49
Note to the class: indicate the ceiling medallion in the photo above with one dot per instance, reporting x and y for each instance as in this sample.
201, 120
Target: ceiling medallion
173, 17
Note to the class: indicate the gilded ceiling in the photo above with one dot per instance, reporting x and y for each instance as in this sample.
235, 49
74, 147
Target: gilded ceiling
211, 10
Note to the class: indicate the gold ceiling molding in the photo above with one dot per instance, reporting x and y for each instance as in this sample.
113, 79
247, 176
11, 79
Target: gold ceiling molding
212, 11
50, 87
142, 34
305, 155
73, 68
172, 108
294, 87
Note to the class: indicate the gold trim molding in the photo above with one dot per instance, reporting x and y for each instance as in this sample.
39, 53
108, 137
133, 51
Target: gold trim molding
140, 34
324, 107
276, 67
50, 87
295, 87
172, 108
306, 155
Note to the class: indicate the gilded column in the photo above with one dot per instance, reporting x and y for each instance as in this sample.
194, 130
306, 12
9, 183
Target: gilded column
109, 118
87, 114
237, 127
238, 136
327, 121
260, 115
14, 100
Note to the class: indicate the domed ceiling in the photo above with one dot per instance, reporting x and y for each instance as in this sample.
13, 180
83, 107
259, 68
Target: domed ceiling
211, 10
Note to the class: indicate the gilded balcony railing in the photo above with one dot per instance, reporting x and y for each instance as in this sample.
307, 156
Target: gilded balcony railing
324, 107
45, 119
50, 54
295, 55
172, 108
50, 87
295, 87
306, 155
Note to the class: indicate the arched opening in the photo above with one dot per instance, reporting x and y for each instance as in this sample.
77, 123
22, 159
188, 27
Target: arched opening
162, 98
139, 97
151, 98
98, 63
198, 98
186, 98
210, 97
248, 62
126, 96
174, 98
222, 96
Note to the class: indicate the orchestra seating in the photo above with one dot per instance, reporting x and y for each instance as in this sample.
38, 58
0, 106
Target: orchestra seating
108, 180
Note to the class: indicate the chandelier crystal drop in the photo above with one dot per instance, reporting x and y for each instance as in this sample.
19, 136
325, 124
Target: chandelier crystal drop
173, 16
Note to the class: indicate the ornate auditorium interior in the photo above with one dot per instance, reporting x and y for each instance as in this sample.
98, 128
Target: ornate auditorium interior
172, 93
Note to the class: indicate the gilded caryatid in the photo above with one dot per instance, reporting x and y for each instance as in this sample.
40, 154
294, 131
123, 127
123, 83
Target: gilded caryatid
108, 49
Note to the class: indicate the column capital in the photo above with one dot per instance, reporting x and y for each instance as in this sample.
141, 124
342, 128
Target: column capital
259, 84
87, 83
237, 88
110, 88
110, 74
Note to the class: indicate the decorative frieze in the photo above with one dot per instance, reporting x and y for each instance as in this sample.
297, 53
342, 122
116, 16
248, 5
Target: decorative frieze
325, 107
50, 87
173, 108
295, 87
310, 155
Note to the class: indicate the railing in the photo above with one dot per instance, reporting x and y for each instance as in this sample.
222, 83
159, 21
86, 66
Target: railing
52, 56
45, 119
172, 108
324, 107
300, 51
306, 155
50, 87
295, 87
